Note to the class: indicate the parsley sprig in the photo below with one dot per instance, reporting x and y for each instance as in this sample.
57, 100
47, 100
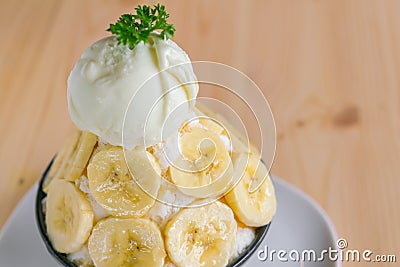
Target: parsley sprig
132, 29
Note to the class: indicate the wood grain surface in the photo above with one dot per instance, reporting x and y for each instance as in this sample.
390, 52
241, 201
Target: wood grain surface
330, 70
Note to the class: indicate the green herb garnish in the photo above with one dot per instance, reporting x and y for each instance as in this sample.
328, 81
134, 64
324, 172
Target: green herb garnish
132, 29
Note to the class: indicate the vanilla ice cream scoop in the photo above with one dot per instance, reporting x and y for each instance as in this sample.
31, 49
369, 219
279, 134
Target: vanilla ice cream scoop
108, 75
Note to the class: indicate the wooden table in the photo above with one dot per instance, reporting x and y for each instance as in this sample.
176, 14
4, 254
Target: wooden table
330, 69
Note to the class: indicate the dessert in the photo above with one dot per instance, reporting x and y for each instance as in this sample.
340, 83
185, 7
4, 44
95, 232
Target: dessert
114, 198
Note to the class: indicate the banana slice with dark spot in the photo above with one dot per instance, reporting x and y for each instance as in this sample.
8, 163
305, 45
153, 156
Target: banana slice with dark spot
201, 236
126, 242
124, 188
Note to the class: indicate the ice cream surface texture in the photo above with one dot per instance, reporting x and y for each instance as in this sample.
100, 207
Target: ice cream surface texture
108, 75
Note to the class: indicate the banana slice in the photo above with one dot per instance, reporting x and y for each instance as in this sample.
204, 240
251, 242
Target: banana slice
113, 186
59, 164
83, 151
126, 242
201, 236
72, 159
205, 170
238, 143
253, 198
69, 216
211, 125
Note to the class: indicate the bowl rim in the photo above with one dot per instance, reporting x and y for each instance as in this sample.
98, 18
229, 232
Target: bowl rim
62, 258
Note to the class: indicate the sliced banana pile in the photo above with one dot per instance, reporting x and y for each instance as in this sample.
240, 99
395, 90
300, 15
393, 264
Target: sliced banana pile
126, 183
114, 179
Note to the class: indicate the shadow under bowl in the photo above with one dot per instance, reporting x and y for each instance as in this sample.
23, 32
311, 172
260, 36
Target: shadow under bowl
62, 258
